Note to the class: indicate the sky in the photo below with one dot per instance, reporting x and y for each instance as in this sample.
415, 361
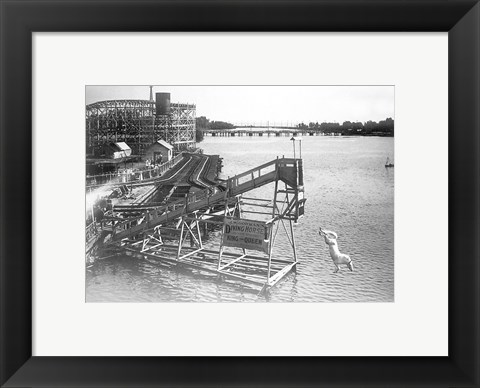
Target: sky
268, 104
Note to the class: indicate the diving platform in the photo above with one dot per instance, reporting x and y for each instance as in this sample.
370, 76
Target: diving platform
174, 233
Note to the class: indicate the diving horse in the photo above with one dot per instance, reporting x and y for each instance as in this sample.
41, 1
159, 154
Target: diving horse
337, 257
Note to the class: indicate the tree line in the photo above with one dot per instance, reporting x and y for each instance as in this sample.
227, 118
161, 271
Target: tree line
383, 127
204, 123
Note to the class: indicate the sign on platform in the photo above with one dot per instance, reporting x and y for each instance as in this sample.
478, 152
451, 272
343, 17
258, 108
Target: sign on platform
246, 234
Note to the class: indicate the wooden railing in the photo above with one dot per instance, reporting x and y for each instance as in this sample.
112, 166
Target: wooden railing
131, 176
90, 231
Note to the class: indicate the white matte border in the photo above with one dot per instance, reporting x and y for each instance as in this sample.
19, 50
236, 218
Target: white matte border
415, 325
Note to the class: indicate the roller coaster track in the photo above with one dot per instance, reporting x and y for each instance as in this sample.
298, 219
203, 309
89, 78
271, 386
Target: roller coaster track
200, 176
196, 178
194, 170
284, 169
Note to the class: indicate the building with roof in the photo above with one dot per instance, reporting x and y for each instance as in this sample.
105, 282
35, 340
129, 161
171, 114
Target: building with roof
159, 152
117, 150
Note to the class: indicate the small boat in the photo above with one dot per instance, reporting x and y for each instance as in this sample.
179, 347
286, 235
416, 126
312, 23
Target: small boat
388, 164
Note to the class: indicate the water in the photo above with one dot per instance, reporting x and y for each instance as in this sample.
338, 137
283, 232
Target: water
348, 190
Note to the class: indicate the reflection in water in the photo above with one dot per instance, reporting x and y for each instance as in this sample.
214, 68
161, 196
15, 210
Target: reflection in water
348, 190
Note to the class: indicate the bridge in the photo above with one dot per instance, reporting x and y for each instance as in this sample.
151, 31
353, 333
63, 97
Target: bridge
268, 126
143, 228
259, 131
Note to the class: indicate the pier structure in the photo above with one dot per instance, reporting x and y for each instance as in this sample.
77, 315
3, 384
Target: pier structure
261, 132
139, 123
171, 233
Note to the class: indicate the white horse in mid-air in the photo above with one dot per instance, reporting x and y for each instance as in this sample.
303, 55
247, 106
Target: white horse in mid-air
337, 257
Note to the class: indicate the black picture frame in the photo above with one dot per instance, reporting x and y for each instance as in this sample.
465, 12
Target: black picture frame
19, 18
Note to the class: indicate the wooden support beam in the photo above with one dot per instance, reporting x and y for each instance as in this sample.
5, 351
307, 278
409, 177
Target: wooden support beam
257, 204
275, 278
199, 261
253, 212
245, 279
256, 199
260, 278
231, 262
190, 253
251, 257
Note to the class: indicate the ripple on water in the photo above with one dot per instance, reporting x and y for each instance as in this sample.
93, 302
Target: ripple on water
348, 190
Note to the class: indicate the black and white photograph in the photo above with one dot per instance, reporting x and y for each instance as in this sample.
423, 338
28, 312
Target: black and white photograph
228, 193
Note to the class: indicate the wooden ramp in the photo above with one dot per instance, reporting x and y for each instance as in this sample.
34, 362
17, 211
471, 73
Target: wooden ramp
285, 169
